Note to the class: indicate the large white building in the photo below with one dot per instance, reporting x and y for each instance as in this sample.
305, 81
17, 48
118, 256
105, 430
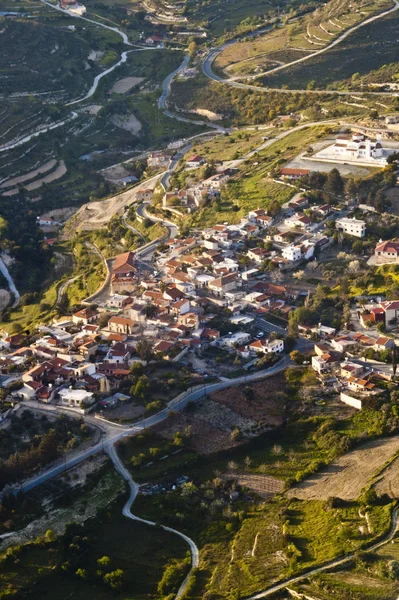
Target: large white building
355, 149
358, 147
353, 226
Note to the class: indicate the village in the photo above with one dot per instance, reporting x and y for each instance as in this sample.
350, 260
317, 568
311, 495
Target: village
216, 303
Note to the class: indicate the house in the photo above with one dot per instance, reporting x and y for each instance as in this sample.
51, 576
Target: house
158, 159
293, 174
124, 273
75, 398
119, 301
195, 161
240, 338
391, 119
361, 385
267, 346
303, 251
387, 252
383, 343
121, 325
324, 210
299, 221
340, 344
324, 362
299, 203
164, 347
258, 255
223, 284
144, 195
350, 369
353, 226
181, 307
391, 311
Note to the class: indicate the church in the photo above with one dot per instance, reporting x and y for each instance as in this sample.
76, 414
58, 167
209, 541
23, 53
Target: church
358, 147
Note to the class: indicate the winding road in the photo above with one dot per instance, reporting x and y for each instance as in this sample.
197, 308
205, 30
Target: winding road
233, 81
126, 511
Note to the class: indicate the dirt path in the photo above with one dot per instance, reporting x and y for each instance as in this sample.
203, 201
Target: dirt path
346, 476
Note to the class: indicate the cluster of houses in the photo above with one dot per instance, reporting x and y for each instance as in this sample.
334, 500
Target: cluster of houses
336, 364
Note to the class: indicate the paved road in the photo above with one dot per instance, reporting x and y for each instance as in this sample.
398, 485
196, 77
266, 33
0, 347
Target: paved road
115, 435
330, 565
126, 511
163, 100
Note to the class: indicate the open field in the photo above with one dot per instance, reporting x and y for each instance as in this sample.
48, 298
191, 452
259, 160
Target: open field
349, 474
364, 50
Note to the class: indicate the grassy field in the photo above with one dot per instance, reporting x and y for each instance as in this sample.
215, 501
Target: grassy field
253, 188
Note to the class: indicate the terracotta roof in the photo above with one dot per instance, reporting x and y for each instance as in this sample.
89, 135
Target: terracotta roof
123, 262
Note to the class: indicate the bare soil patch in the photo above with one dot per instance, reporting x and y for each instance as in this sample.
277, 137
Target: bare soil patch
126, 84
92, 109
346, 476
95, 215
128, 122
389, 483
204, 439
262, 405
264, 485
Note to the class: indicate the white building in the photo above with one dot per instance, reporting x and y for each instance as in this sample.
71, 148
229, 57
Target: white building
358, 147
353, 226
292, 253
75, 398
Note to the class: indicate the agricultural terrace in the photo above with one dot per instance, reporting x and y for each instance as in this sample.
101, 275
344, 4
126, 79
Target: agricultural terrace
368, 48
250, 543
297, 38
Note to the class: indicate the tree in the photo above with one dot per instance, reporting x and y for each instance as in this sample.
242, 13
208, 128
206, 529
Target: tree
103, 320
192, 49
354, 266
49, 536
114, 579
144, 350
334, 184
299, 275
104, 561
296, 357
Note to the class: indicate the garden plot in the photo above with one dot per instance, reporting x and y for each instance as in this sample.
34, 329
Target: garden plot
349, 474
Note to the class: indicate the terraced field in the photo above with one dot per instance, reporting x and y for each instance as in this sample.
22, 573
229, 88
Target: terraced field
297, 38
366, 49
